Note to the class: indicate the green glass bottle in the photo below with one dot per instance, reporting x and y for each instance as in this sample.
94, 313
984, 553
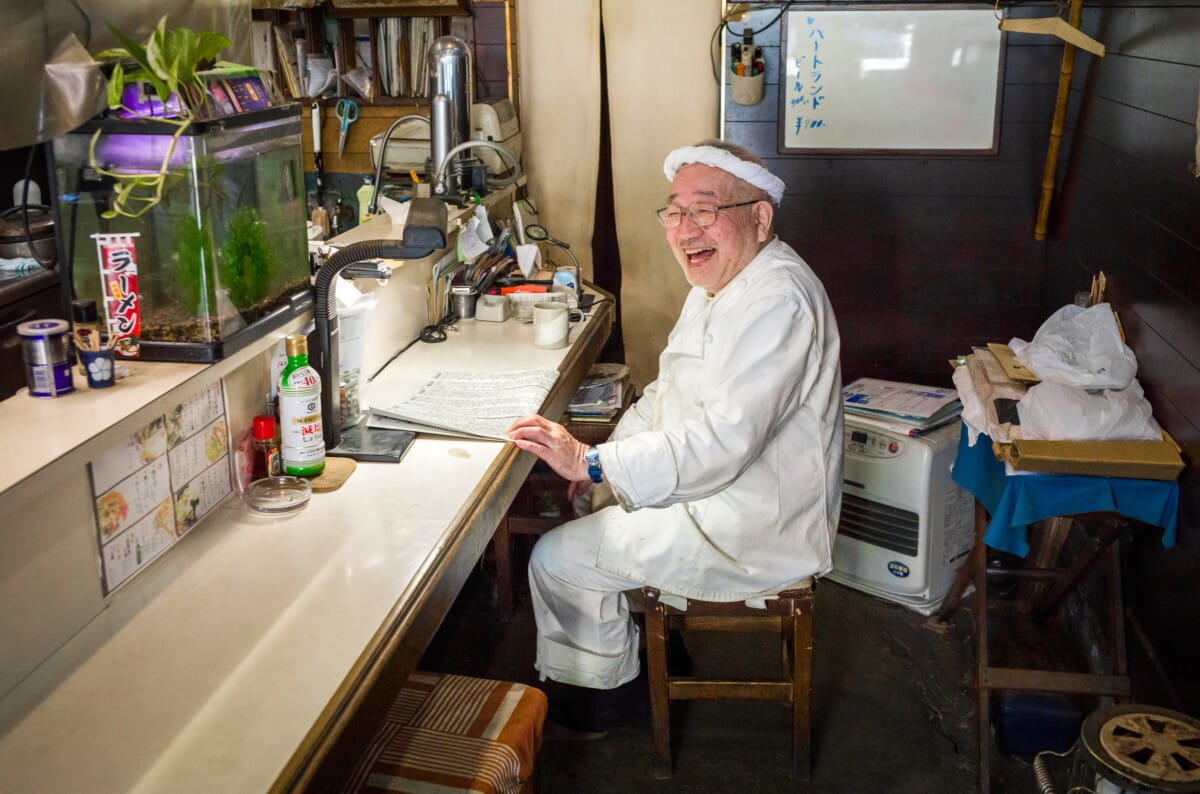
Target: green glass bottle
302, 440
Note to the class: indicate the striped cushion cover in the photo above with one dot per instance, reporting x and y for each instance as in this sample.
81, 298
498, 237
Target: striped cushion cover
453, 733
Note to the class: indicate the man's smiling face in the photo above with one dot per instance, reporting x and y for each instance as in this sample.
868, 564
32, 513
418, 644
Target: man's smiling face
712, 255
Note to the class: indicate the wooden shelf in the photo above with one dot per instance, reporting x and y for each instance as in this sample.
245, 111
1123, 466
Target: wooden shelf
398, 8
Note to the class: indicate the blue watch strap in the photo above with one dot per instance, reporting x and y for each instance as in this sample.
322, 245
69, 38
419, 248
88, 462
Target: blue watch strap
592, 458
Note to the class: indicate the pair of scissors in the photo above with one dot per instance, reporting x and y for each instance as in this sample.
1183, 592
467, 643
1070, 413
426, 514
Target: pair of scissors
347, 113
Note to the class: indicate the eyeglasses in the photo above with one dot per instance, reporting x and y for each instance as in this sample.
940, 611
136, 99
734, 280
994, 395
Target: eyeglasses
701, 214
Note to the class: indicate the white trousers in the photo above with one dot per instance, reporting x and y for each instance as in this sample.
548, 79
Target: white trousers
585, 635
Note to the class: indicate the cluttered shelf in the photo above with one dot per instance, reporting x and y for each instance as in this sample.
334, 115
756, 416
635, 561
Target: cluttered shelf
373, 53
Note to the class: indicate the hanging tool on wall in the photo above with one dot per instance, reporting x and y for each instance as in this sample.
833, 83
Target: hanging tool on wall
1055, 26
320, 216
347, 113
1068, 31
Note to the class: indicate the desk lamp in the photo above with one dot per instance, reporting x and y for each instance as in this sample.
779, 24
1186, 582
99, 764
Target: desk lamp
535, 231
424, 233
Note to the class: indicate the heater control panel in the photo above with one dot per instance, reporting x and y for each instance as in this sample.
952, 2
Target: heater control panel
872, 444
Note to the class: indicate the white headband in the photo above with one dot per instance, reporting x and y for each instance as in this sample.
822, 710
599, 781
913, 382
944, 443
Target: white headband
744, 170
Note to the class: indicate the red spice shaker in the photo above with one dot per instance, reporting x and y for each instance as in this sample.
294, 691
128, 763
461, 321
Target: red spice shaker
266, 461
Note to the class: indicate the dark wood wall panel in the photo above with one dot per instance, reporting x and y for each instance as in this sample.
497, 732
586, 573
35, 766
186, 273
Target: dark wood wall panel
1163, 31
1164, 142
1146, 215
490, 50
1130, 208
901, 179
1155, 86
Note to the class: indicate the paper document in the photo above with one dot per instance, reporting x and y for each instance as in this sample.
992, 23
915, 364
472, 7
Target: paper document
917, 405
477, 404
893, 425
601, 393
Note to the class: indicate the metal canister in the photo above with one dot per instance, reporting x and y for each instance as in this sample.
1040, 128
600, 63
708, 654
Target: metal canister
47, 350
463, 299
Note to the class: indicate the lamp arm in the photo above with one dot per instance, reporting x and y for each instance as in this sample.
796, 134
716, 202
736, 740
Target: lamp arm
424, 233
439, 178
373, 207
578, 272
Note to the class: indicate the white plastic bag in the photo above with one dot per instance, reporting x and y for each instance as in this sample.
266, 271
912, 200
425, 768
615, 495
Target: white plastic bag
1054, 412
1079, 347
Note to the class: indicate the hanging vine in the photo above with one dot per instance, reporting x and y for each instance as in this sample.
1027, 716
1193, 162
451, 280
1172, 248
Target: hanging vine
171, 61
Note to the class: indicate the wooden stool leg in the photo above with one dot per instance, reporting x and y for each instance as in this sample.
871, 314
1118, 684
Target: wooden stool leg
656, 663
502, 551
982, 691
801, 630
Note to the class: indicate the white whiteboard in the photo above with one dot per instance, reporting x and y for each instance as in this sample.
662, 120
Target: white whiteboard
888, 78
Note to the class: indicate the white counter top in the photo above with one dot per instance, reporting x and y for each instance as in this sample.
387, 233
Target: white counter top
213, 683
222, 658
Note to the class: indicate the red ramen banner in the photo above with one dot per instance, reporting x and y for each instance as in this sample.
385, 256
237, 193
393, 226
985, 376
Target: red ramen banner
117, 254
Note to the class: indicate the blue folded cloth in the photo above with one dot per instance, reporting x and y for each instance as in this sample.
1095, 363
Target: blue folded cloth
1017, 501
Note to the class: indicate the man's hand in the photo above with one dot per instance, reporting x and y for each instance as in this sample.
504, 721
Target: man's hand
578, 488
552, 443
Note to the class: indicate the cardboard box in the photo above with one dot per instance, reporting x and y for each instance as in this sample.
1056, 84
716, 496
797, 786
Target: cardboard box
1150, 460
1014, 369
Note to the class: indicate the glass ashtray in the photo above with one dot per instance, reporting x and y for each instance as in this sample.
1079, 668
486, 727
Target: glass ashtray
278, 496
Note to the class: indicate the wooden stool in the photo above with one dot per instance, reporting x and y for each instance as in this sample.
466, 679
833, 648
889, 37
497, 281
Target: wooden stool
790, 613
455, 733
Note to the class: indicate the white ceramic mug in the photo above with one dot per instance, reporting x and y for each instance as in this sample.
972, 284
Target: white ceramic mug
550, 325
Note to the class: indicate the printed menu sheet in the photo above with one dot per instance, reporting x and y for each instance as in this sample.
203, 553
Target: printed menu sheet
152, 489
473, 404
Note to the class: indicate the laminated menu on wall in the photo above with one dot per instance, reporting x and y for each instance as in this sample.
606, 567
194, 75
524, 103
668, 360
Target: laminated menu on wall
152, 488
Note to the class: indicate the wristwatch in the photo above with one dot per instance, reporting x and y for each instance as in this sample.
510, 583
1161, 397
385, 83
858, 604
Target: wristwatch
592, 459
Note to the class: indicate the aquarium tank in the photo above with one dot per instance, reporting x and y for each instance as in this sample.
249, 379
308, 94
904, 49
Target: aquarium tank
220, 259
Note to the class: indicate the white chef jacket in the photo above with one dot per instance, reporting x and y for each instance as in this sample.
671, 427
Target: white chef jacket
729, 468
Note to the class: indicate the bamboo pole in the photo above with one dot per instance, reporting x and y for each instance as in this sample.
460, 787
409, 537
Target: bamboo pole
1056, 127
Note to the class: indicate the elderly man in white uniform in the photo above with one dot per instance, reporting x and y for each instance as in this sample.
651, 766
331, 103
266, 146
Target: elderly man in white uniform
727, 472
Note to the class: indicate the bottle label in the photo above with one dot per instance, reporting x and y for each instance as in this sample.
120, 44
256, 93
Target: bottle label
301, 435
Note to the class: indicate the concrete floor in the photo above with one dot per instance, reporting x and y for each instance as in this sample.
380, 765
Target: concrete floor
893, 706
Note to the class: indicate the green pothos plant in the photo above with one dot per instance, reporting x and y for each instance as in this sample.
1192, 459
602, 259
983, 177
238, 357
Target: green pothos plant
171, 61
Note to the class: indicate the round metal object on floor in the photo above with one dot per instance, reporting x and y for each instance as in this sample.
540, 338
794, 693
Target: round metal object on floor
1144, 748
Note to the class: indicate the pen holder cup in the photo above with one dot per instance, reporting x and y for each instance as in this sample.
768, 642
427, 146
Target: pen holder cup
746, 90
99, 366
463, 301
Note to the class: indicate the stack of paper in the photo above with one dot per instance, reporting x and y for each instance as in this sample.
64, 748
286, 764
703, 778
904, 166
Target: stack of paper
600, 397
906, 407
473, 404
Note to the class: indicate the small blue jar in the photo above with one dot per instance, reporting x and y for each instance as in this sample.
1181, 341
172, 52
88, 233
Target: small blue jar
47, 349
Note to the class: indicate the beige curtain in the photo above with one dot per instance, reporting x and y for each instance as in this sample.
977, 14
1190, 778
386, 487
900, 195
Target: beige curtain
661, 95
